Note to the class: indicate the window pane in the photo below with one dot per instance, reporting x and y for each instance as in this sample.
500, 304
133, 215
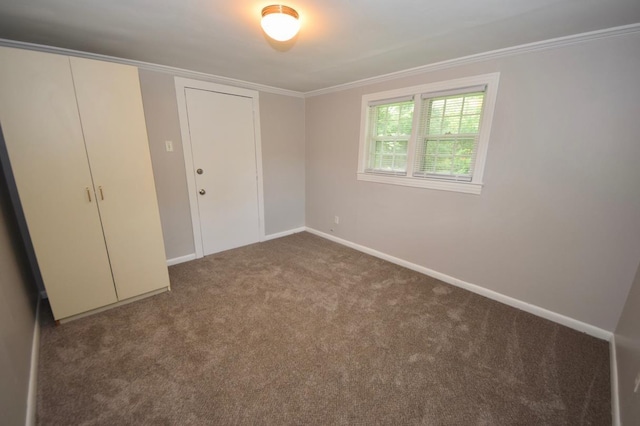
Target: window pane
473, 104
469, 123
437, 108
447, 157
462, 165
435, 126
464, 147
453, 107
432, 147
393, 119
387, 162
400, 163
376, 164
391, 130
388, 147
450, 125
445, 147
429, 164
443, 165
406, 119
455, 114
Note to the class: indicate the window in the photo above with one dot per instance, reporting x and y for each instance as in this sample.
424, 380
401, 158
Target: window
430, 136
389, 135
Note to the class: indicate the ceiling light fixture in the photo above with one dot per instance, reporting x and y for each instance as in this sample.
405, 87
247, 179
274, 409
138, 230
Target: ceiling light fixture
280, 22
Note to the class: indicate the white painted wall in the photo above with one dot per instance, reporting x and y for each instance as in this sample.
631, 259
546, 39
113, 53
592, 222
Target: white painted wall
557, 222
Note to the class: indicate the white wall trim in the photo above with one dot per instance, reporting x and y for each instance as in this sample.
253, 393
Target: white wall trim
493, 54
440, 185
615, 396
181, 259
32, 394
182, 84
417, 94
499, 297
484, 56
179, 72
284, 233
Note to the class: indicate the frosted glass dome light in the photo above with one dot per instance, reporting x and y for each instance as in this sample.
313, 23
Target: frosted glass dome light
280, 22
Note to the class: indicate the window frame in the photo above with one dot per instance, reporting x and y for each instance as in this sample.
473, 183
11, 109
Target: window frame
474, 186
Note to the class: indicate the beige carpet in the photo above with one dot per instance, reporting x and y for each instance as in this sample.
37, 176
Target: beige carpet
301, 330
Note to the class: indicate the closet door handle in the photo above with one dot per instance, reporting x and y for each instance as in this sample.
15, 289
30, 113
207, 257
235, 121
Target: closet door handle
89, 194
101, 193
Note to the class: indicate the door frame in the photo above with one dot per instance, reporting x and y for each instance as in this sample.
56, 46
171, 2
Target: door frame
186, 83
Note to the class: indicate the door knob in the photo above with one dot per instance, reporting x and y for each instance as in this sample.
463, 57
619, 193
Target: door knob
202, 192
199, 171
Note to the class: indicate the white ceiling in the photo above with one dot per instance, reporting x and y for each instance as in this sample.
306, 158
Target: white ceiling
340, 41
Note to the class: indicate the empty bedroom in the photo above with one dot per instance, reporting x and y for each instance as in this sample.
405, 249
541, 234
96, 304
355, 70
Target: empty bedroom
319, 212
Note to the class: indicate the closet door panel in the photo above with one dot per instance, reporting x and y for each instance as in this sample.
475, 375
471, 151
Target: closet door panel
112, 115
46, 150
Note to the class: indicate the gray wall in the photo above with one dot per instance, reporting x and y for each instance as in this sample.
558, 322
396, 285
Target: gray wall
557, 222
282, 125
628, 355
161, 114
17, 316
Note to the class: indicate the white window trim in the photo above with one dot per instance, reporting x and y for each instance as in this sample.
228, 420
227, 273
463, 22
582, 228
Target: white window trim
475, 186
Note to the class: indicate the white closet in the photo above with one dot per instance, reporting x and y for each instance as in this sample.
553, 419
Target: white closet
77, 144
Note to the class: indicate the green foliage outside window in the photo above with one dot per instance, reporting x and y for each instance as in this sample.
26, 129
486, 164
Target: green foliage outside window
452, 128
391, 132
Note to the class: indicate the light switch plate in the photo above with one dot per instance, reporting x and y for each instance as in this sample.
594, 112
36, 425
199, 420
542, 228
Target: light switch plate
168, 145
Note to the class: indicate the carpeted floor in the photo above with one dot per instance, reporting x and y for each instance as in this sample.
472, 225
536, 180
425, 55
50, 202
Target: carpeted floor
300, 330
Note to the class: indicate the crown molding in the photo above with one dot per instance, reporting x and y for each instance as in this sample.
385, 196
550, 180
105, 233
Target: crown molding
178, 72
479, 57
485, 56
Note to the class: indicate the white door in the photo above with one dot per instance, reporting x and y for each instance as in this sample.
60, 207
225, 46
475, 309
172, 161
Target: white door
223, 147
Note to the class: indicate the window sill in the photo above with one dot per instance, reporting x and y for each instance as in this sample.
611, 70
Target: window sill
464, 187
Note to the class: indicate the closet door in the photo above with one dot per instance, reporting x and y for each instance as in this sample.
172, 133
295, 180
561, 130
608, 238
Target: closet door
44, 140
223, 145
110, 105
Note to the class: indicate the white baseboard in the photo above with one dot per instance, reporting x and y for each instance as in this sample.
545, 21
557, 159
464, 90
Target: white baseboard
499, 297
284, 233
32, 394
615, 396
181, 259
187, 258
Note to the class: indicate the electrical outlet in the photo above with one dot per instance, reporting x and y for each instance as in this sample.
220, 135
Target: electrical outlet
168, 145
336, 220
637, 384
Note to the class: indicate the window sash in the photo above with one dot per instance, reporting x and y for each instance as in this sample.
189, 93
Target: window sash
442, 151
388, 153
